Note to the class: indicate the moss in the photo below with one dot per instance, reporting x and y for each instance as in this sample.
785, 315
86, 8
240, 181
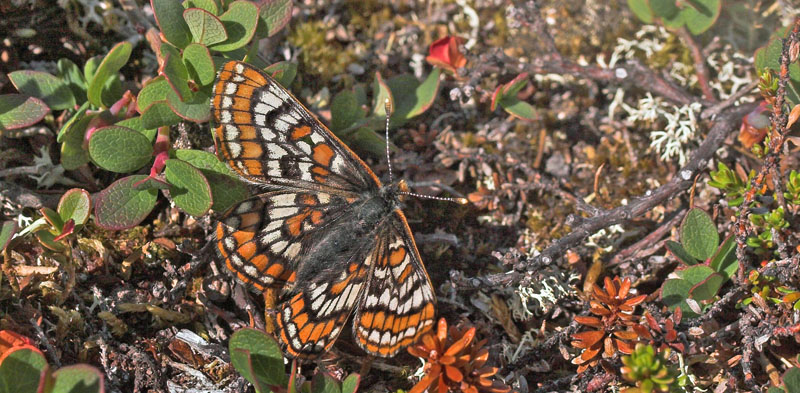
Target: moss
320, 56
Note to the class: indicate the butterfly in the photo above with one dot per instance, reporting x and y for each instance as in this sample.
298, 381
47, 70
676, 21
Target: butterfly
324, 225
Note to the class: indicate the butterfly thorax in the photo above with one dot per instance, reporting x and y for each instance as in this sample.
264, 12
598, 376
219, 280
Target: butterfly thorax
352, 238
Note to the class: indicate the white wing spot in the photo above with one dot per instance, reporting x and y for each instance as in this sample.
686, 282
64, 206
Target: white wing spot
235, 149
262, 108
230, 88
271, 99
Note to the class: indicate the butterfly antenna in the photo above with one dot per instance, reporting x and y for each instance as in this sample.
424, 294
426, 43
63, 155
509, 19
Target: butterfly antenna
460, 201
387, 106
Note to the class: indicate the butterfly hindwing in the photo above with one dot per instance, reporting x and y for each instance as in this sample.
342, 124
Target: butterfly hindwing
398, 305
313, 318
261, 238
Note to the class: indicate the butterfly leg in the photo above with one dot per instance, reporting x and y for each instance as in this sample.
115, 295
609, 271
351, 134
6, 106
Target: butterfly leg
270, 309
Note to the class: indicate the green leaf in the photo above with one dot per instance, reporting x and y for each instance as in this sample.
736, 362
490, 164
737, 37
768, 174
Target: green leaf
72, 120
724, 261
368, 140
324, 383
664, 8
73, 77
73, 154
176, 74
699, 234
773, 389
197, 108
75, 204
206, 28
169, 16
152, 102
153, 91
791, 379
208, 5
701, 15
345, 111
226, 188
50, 89
411, 97
189, 188
79, 378
135, 123
90, 68
120, 149
257, 356
120, 206
274, 15
52, 218
283, 72
240, 22
116, 58
708, 288
350, 384
696, 274
7, 232
21, 370
679, 252
198, 62
518, 108
18, 111
642, 10
381, 92
159, 114
674, 293
48, 240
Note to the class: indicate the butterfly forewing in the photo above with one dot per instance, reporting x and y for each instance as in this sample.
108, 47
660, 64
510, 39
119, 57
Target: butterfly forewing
325, 225
268, 137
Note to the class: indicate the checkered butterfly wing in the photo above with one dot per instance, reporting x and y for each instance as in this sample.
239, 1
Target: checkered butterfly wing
271, 140
398, 304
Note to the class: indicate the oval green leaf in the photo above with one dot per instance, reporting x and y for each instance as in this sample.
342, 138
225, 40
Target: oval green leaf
79, 378
176, 75
73, 77
120, 149
699, 235
120, 206
50, 89
73, 154
108, 68
169, 16
518, 108
75, 204
18, 111
226, 188
196, 108
283, 72
274, 15
7, 232
641, 8
21, 369
708, 288
240, 23
255, 351
679, 252
345, 111
188, 187
206, 28
198, 62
